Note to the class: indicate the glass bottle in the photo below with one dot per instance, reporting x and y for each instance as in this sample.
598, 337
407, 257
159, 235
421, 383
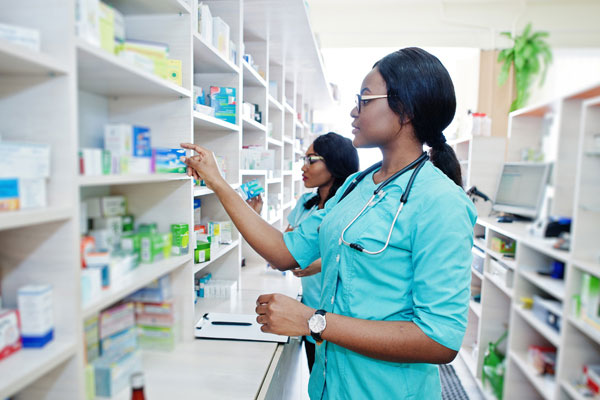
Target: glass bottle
137, 386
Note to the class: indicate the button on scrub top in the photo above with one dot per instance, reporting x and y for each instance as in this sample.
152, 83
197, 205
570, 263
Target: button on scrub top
423, 276
311, 285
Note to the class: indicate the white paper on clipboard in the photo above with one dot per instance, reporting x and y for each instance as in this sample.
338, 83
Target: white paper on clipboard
206, 330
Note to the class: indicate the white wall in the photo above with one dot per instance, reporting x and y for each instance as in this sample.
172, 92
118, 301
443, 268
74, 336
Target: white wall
347, 67
571, 70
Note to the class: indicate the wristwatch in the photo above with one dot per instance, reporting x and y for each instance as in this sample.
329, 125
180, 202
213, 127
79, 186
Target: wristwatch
317, 324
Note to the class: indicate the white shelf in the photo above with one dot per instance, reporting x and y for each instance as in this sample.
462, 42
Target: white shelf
203, 121
508, 261
203, 190
289, 108
288, 140
28, 365
573, 393
287, 172
480, 243
129, 179
273, 103
134, 280
289, 204
253, 126
543, 329
476, 307
590, 267
306, 125
465, 353
106, 74
20, 60
253, 172
144, 7
298, 152
251, 77
275, 219
554, 287
223, 249
22, 218
273, 181
544, 385
584, 327
208, 59
499, 283
592, 153
477, 273
476, 251
274, 142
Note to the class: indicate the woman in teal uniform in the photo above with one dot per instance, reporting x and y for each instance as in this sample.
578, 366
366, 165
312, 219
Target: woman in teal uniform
328, 161
395, 243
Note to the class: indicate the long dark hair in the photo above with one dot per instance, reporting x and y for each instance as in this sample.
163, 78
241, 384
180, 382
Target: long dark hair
341, 160
420, 91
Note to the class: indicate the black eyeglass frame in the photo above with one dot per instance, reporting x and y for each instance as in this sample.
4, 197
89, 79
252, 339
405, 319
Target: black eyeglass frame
360, 99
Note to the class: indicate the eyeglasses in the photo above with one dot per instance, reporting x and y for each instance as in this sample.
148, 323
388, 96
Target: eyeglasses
362, 100
310, 160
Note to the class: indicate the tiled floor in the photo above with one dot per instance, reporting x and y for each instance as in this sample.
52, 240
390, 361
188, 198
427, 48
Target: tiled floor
466, 379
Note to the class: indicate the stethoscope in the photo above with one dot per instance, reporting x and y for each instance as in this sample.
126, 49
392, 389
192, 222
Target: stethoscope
378, 194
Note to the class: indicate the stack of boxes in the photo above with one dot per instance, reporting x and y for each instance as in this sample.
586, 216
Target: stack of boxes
219, 102
258, 157
206, 287
104, 26
24, 171
21, 36
128, 150
215, 31
155, 315
111, 248
119, 357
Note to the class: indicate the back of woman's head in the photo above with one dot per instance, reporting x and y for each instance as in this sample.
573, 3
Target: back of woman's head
341, 160
421, 92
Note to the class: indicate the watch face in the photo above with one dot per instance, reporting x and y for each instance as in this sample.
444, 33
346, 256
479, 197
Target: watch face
317, 323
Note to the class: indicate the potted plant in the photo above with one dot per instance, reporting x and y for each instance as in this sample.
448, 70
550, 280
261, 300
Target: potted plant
529, 55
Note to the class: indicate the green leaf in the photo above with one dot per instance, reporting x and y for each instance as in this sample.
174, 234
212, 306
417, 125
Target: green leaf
507, 34
527, 30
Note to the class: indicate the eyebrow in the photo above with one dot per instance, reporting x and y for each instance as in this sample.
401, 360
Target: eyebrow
365, 89
311, 154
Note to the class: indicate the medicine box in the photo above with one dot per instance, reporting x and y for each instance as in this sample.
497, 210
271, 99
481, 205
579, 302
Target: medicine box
106, 19
107, 206
116, 319
548, 311
91, 339
174, 71
503, 246
9, 332
181, 239
168, 160
112, 375
119, 343
37, 314
156, 292
9, 194
155, 247
127, 140
590, 299
24, 160
224, 101
220, 37
157, 338
250, 189
205, 23
202, 252
21, 36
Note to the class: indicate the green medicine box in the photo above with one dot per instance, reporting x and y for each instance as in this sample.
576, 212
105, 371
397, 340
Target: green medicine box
202, 252
181, 239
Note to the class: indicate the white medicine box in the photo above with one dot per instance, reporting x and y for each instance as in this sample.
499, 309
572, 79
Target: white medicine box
37, 314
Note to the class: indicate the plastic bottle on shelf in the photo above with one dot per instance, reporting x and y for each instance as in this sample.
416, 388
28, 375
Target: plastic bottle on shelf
137, 386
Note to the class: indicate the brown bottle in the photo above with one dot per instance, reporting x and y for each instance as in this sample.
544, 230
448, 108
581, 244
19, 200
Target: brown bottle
137, 386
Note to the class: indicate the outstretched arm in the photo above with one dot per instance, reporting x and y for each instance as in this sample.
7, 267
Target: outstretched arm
262, 237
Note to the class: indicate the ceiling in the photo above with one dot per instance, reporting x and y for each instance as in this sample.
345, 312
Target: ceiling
451, 23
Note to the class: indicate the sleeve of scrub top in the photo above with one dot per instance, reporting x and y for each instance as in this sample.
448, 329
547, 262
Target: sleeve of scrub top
442, 243
303, 242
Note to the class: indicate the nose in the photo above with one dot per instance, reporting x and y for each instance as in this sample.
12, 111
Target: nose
304, 167
354, 112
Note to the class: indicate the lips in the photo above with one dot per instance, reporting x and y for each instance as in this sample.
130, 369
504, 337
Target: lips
304, 177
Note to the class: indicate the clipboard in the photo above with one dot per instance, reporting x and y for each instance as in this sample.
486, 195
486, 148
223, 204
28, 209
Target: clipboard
234, 327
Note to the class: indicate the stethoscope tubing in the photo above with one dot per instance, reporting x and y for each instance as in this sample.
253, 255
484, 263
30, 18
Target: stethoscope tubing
419, 162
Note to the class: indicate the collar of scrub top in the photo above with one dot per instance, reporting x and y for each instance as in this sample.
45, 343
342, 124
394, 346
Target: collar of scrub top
378, 194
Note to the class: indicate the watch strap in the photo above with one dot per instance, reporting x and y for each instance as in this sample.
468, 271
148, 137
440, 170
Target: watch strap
317, 335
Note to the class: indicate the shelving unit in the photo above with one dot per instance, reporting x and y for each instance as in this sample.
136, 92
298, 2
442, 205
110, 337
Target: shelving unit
75, 89
563, 130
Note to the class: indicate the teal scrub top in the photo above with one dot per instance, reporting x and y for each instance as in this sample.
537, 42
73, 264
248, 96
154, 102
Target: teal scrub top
423, 276
311, 285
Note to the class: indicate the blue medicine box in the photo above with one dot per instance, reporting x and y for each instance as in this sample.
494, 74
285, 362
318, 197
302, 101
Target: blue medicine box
223, 100
168, 160
141, 142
